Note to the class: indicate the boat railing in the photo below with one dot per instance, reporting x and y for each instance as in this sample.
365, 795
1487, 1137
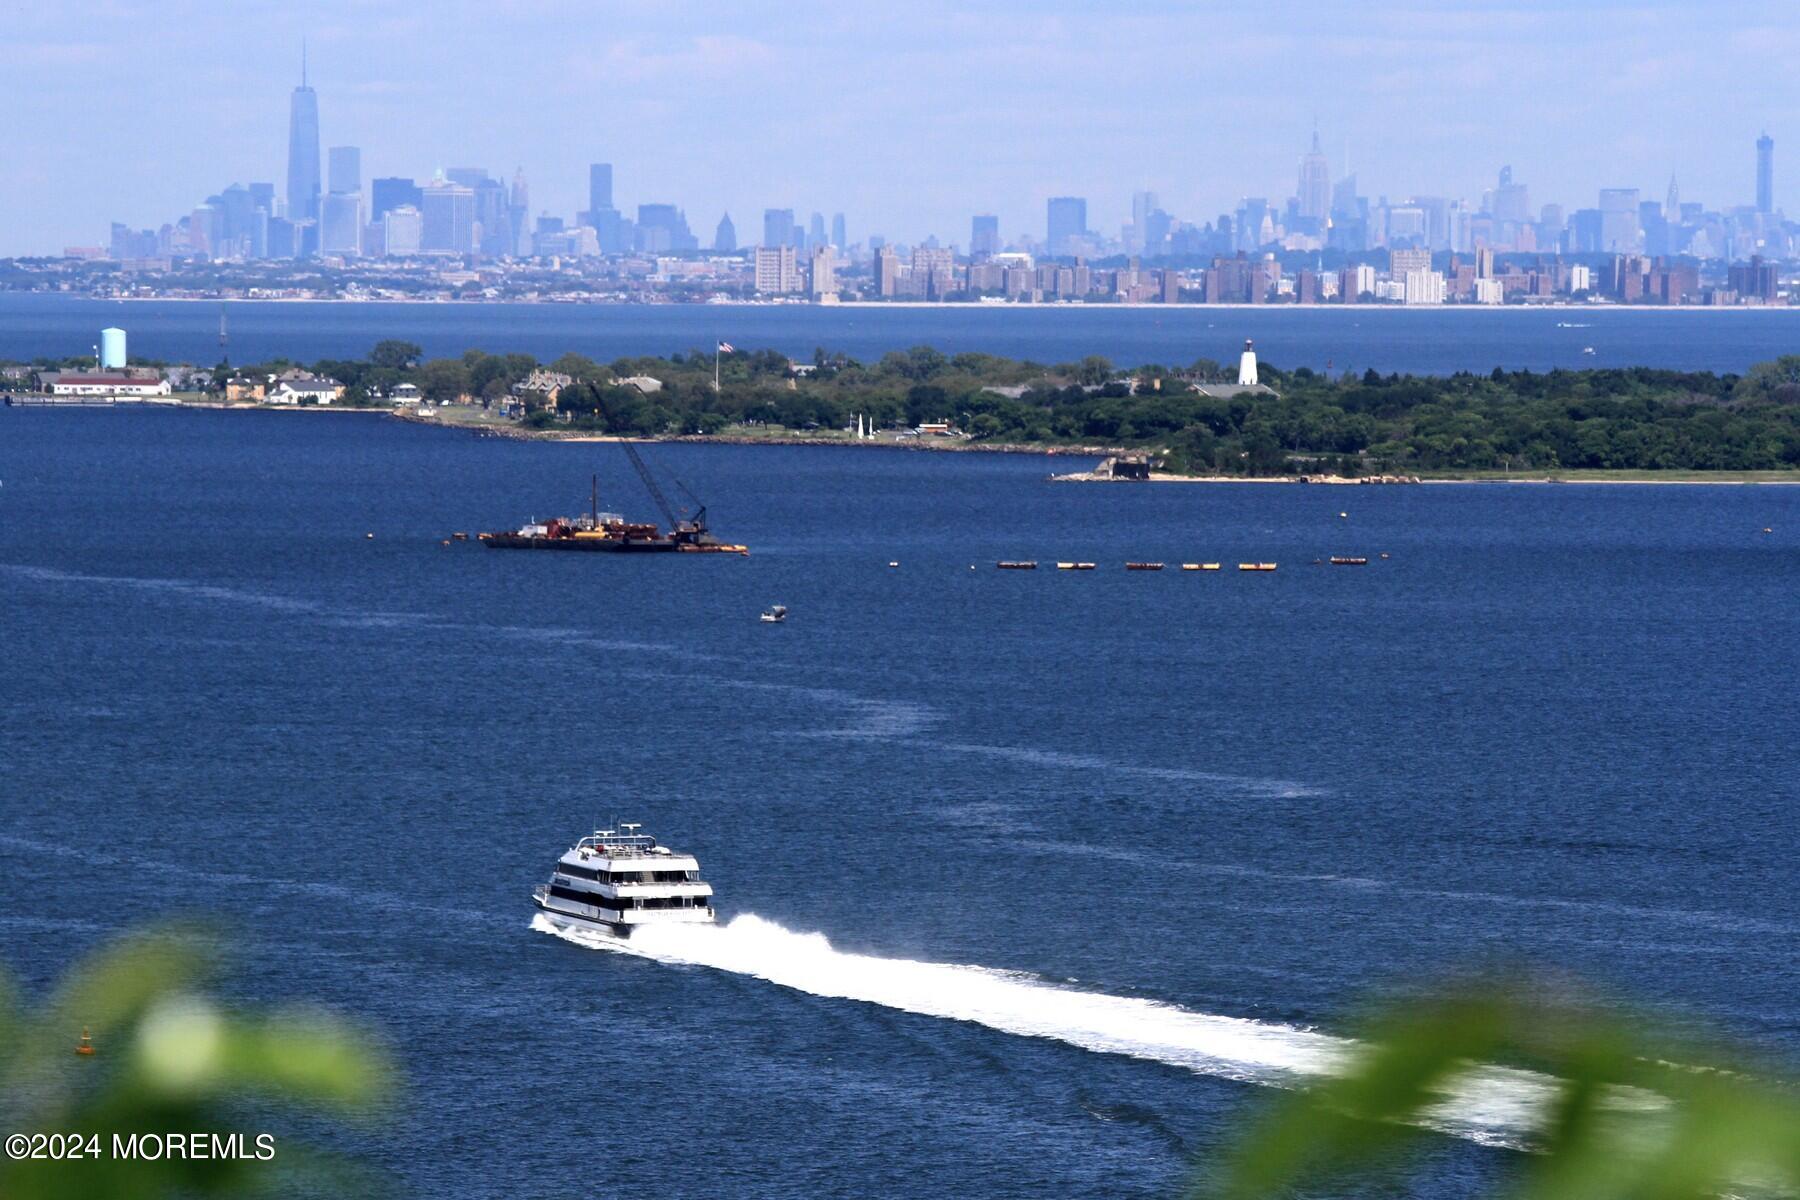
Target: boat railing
619, 845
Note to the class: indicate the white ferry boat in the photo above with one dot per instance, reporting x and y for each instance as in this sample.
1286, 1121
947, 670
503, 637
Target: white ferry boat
616, 881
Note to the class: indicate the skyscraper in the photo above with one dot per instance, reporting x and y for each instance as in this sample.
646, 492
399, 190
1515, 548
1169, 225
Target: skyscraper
344, 169
984, 235
1314, 193
663, 227
778, 227
725, 237
1765, 174
1510, 201
448, 219
518, 212
340, 225
599, 187
390, 193
1067, 223
839, 237
303, 150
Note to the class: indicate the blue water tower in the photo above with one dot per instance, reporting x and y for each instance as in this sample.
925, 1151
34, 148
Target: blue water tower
112, 349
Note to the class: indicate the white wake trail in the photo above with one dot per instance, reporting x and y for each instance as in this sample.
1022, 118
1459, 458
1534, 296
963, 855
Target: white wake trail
1490, 1105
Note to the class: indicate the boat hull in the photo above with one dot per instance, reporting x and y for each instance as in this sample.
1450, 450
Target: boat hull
621, 930
607, 545
600, 545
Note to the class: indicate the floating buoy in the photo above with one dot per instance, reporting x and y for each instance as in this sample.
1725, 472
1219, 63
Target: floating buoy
369, 536
1018, 565
1384, 554
1143, 566
1065, 566
445, 542
893, 564
1190, 566
1768, 529
86, 1044
1344, 516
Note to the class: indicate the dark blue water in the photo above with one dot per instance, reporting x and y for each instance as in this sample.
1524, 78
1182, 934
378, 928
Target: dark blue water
1421, 341
1555, 726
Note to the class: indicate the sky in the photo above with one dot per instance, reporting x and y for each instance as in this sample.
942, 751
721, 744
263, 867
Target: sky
908, 117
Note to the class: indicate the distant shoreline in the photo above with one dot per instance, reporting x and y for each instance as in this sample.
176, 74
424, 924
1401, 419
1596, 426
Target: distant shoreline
935, 305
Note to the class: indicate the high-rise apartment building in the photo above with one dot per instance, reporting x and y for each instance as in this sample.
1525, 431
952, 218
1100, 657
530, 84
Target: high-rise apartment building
1765, 174
1066, 224
344, 169
886, 271
303, 151
777, 270
821, 280
1404, 260
984, 235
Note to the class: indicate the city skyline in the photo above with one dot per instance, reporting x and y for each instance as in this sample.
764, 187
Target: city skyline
755, 137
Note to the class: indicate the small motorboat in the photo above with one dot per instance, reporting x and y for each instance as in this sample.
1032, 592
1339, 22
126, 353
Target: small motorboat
775, 614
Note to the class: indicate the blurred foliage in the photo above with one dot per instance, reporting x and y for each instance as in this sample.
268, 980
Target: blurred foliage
170, 1060
1611, 1108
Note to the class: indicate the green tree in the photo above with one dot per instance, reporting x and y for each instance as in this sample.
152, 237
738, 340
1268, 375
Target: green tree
395, 354
170, 1059
443, 379
1623, 1110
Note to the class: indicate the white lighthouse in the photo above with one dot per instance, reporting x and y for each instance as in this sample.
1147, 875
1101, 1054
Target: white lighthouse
1247, 365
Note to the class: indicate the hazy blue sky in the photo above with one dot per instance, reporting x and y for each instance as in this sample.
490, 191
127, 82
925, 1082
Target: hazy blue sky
908, 117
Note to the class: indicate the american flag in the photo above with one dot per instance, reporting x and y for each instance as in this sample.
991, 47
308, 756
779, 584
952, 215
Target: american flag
727, 348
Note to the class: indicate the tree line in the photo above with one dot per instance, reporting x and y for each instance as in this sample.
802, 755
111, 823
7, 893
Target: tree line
1306, 421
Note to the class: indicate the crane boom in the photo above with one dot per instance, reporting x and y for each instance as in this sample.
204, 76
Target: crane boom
637, 462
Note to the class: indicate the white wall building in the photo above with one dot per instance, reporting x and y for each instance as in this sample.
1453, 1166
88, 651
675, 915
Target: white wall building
93, 383
1423, 287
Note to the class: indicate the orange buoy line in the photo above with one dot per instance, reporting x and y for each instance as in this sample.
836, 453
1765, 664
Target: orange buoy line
86, 1044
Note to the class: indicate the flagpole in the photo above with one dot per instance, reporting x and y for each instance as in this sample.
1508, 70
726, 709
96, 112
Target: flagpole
715, 366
